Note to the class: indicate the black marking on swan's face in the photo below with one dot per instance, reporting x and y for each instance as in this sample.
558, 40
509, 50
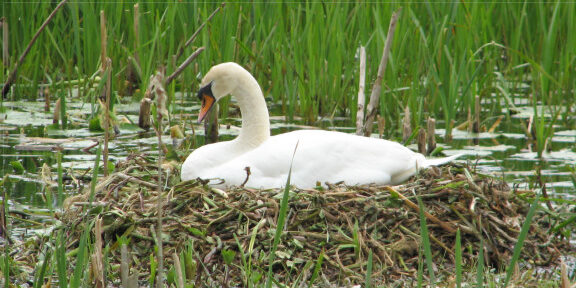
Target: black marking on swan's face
207, 98
205, 91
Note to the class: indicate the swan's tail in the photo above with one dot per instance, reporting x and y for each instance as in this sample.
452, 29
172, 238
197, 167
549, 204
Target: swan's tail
440, 161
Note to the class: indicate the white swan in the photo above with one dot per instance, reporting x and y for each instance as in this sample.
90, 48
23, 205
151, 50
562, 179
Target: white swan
321, 156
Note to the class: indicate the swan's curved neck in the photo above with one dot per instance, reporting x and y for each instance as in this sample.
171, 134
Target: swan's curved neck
255, 120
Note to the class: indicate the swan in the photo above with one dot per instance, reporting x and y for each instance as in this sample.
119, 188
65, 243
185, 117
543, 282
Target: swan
320, 156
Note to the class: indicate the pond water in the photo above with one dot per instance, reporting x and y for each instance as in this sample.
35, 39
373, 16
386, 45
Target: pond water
26, 136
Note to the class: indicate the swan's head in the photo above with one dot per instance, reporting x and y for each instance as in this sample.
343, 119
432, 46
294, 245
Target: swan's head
220, 81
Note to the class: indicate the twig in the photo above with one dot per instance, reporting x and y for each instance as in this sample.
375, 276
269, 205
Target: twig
373, 105
193, 37
183, 65
429, 216
12, 76
247, 169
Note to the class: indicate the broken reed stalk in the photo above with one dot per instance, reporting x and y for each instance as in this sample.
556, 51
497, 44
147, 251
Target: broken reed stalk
361, 96
105, 70
193, 37
422, 141
406, 125
377, 86
56, 114
5, 39
431, 135
14, 73
98, 257
144, 115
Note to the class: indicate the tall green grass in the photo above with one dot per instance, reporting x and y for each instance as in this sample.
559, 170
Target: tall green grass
304, 54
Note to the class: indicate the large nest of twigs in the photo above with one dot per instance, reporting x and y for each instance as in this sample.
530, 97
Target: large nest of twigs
329, 233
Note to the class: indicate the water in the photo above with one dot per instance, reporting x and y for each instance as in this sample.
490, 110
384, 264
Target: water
26, 137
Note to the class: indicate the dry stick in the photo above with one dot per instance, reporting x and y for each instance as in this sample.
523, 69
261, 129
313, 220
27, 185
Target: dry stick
182, 66
12, 76
193, 37
361, 96
373, 105
5, 38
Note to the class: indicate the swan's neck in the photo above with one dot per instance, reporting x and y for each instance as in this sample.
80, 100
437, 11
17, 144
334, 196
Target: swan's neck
255, 120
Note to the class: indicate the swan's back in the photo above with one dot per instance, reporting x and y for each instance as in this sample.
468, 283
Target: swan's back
321, 156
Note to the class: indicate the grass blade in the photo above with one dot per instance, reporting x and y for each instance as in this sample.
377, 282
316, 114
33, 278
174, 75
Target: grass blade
82, 258
39, 279
426, 242
458, 252
281, 220
521, 238
61, 260
369, 271
480, 266
317, 268
95, 171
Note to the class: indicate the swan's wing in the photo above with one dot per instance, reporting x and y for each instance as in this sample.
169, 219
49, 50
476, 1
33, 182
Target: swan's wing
327, 156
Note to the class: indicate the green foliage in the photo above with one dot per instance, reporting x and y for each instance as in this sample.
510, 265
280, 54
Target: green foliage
94, 125
228, 256
17, 166
303, 54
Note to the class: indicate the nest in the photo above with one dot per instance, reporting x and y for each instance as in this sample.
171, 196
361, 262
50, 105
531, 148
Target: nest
329, 233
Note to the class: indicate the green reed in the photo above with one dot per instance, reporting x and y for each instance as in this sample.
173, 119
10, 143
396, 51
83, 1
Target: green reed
304, 54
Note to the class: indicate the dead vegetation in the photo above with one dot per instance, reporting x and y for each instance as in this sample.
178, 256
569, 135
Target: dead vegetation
336, 227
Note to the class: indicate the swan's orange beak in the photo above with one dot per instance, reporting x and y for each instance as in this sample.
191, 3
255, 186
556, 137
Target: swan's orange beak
207, 103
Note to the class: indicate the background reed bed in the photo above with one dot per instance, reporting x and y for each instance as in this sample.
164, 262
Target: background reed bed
306, 54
